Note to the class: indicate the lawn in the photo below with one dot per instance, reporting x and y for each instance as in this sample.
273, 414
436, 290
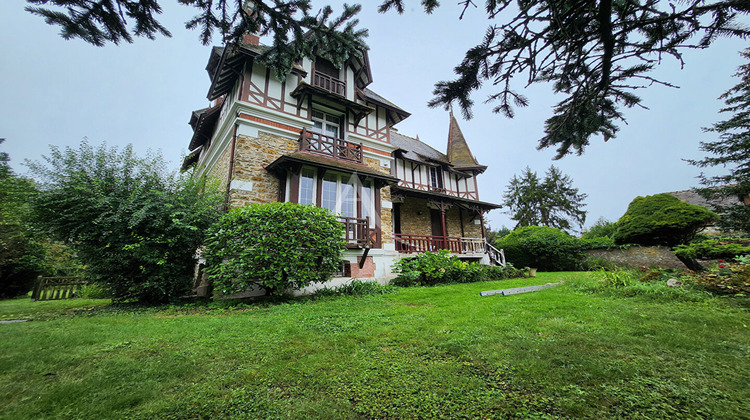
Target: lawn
432, 352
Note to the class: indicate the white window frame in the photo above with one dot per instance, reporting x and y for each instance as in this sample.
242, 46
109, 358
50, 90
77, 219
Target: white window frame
342, 179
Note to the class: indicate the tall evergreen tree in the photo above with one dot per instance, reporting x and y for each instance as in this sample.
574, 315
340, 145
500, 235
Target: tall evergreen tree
595, 52
296, 31
552, 201
731, 150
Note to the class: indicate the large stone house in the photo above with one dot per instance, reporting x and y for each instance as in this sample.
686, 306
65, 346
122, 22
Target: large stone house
323, 138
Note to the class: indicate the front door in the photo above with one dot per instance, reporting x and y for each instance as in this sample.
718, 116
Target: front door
436, 223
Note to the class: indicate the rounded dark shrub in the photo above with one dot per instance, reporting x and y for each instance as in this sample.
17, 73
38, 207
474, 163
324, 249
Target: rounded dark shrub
661, 219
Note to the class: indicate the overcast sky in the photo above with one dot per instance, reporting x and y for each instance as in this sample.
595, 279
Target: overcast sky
56, 92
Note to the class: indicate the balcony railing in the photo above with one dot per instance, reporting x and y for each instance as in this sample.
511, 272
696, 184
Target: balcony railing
330, 146
471, 195
414, 244
329, 83
357, 232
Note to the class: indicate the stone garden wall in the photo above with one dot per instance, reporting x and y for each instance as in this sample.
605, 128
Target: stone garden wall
636, 256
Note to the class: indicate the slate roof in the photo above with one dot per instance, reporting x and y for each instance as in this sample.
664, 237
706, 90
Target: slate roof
414, 149
691, 196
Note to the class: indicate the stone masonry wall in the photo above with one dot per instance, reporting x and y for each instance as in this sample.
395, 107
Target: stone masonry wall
220, 171
386, 217
453, 222
413, 223
251, 157
635, 257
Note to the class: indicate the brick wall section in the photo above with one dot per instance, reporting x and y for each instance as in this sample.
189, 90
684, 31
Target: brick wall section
251, 157
367, 270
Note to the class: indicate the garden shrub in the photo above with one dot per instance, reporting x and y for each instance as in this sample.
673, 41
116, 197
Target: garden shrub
432, 268
544, 248
423, 269
602, 228
713, 249
276, 246
356, 287
661, 219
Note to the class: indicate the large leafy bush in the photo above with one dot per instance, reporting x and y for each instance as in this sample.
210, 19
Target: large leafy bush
544, 248
276, 246
661, 219
133, 224
431, 268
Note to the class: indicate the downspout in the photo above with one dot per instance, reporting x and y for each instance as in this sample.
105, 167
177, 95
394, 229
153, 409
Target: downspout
231, 166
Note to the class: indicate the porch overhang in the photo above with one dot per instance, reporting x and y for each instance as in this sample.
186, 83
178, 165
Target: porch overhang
203, 122
359, 110
295, 161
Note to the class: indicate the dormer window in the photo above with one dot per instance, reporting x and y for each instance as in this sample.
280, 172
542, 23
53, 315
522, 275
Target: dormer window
327, 76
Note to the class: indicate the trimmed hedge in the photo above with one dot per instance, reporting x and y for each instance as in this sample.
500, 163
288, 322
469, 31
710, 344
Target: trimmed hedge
544, 248
276, 246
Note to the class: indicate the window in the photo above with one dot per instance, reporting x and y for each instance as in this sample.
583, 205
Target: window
436, 180
325, 123
329, 192
367, 201
307, 186
338, 193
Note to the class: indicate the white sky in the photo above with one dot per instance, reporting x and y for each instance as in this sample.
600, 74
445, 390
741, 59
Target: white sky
56, 92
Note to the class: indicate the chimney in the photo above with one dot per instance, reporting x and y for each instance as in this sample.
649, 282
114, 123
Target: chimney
250, 39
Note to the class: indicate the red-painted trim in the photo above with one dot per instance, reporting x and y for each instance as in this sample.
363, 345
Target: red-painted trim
269, 122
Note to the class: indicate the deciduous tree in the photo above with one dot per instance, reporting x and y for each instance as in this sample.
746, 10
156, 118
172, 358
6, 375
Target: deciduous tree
731, 150
552, 201
134, 225
21, 254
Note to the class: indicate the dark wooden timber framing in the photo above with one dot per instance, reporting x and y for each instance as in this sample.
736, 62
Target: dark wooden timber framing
231, 167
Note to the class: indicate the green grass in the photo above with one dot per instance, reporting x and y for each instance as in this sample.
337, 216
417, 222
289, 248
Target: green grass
435, 352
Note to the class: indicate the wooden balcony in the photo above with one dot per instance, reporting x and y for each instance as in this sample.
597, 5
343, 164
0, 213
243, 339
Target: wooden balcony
357, 232
330, 146
331, 84
471, 195
417, 244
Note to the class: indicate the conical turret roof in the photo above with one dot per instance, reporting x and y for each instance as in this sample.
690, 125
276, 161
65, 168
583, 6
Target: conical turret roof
459, 154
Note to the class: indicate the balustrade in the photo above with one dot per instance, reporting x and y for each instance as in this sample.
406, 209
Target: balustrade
334, 147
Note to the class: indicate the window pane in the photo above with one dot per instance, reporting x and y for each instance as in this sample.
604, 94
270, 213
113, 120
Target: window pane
332, 130
328, 196
367, 202
348, 200
306, 186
